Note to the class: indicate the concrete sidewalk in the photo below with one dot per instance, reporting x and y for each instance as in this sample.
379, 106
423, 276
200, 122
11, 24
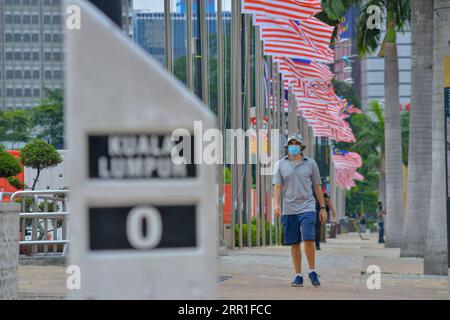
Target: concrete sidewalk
266, 273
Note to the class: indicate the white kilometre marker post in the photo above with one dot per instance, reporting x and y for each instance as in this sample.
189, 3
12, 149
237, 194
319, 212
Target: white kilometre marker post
143, 227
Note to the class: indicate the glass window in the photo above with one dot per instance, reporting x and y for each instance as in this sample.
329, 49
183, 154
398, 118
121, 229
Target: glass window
9, 19
17, 37
18, 74
27, 74
9, 74
18, 56
48, 56
26, 37
10, 92
9, 56
36, 93
18, 93
47, 19
27, 92
27, 56
57, 56
47, 37
56, 20
35, 56
35, 19
8, 37
35, 37
48, 74
17, 19
26, 19
36, 74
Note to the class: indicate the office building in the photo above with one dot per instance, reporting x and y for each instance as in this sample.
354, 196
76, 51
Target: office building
31, 50
149, 31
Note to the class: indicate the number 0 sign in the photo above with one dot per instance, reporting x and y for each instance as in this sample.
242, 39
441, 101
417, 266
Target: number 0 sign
149, 218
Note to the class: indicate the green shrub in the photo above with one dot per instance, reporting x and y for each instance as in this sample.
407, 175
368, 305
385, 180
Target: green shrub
9, 165
253, 234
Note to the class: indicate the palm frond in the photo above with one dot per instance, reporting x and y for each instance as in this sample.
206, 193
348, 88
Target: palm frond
368, 39
403, 14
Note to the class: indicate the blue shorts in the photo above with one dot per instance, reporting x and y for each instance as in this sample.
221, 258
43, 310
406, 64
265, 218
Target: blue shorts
298, 227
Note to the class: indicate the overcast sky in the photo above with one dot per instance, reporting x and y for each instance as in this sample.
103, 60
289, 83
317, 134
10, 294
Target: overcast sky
158, 5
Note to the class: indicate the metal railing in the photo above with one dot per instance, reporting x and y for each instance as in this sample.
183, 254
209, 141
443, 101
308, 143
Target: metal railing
47, 213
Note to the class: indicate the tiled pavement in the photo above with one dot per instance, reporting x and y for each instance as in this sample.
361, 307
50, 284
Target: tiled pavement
265, 273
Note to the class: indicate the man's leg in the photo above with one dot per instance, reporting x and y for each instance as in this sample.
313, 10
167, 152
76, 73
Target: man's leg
317, 228
296, 254
308, 225
310, 252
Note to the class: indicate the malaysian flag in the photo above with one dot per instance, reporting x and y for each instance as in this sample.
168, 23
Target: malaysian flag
285, 9
346, 166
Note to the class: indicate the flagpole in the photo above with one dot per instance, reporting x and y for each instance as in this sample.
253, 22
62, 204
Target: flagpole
276, 125
269, 145
258, 50
220, 107
204, 54
235, 106
198, 54
248, 101
263, 178
190, 63
239, 114
168, 36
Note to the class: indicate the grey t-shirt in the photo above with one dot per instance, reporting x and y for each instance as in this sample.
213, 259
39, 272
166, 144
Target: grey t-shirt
297, 180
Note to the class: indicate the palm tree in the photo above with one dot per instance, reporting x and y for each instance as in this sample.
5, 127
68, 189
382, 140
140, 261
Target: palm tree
435, 260
420, 159
397, 16
370, 140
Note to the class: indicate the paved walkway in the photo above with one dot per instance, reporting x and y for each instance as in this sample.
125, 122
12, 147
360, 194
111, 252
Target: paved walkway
265, 273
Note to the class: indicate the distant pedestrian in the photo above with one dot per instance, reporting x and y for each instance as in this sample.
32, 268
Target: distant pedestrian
381, 214
362, 223
294, 178
330, 210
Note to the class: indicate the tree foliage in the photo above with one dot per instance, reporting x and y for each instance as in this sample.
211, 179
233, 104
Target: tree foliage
49, 119
46, 122
39, 155
9, 165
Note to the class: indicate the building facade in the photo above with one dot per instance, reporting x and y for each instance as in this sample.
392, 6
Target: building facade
181, 6
372, 73
31, 50
149, 31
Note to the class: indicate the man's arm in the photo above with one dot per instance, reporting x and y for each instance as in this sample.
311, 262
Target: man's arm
277, 182
331, 206
319, 194
276, 199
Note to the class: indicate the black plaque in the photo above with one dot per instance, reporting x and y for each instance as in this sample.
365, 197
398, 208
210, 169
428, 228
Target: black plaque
138, 157
107, 228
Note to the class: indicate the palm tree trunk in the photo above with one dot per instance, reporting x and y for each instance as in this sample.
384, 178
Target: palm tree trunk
393, 142
420, 159
435, 260
382, 183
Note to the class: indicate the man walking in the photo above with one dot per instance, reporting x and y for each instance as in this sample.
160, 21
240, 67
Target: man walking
380, 214
294, 177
